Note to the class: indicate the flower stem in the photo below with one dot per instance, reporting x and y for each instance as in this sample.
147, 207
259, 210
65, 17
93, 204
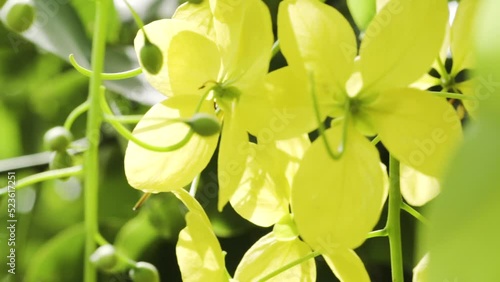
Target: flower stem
77, 112
393, 226
94, 121
414, 213
289, 265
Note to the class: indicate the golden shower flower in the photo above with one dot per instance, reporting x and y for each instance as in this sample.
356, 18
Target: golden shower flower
336, 202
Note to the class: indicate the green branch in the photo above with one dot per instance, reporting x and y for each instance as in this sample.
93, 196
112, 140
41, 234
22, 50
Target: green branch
104, 76
393, 226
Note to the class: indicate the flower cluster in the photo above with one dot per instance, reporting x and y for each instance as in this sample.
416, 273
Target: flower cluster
322, 197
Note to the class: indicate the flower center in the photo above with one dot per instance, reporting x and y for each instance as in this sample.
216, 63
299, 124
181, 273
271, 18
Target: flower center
225, 95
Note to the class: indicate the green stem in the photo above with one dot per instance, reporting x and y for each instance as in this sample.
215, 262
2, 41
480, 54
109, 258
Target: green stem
393, 226
376, 140
414, 213
104, 76
275, 49
123, 131
44, 176
123, 119
321, 127
77, 112
377, 233
94, 121
289, 265
453, 95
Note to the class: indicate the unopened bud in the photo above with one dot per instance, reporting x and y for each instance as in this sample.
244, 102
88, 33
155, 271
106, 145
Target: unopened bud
61, 160
144, 272
57, 138
105, 257
204, 124
151, 57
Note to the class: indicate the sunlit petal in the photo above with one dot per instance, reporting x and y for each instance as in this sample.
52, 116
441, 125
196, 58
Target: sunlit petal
417, 188
337, 202
317, 38
193, 63
420, 129
269, 254
346, 265
402, 42
462, 37
165, 171
160, 33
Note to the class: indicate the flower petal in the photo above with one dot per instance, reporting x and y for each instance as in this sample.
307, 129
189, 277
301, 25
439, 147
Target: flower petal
402, 42
285, 107
346, 265
263, 194
160, 33
420, 129
462, 37
193, 60
421, 270
417, 188
198, 13
341, 194
245, 38
269, 254
233, 152
199, 254
165, 171
317, 38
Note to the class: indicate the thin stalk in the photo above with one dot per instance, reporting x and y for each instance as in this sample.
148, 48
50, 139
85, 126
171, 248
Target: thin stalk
414, 213
94, 121
393, 226
289, 265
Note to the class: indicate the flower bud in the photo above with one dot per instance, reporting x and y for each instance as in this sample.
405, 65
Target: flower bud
204, 124
61, 160
105, 258
151, 57
20, 17
57, 138
144, 272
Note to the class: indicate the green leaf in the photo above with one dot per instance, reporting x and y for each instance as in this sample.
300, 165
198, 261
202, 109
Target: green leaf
362, 11
135, 237
60, 259
464, 243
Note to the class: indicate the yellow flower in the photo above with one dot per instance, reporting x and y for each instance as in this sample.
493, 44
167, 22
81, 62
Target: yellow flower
223, 47
337, 202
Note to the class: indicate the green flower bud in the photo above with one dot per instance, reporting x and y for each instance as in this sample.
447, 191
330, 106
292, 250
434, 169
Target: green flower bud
61, 160
57, 138
204, 124
151, 57
144, 272
105, 258
20, 17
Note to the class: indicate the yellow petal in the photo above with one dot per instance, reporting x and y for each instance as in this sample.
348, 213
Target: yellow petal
269, 254
417, 188
337, 202
199, 14
462, 36
245, 38
160, 33
233, 152
193, 60
402, 42
285, 107
420, 129
425, 82
317, 38
165, 171
263, 195
346, 265
420, 272
199, 254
